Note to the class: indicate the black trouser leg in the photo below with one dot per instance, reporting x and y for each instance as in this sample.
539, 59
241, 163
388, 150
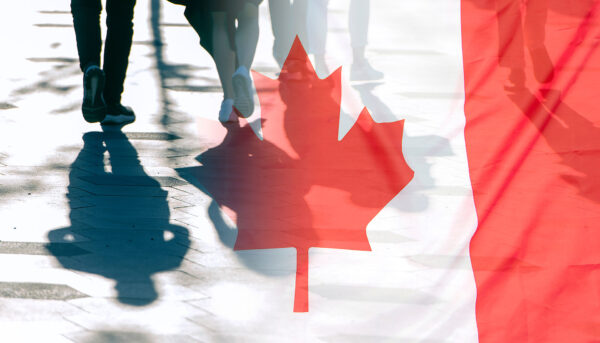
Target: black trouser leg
86, 21
119, 22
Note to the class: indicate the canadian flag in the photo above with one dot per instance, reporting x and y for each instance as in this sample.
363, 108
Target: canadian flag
497, 236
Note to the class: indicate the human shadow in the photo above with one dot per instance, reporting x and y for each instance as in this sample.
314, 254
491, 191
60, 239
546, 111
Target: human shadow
122, 224
421, 149
293, 187
521, 25
242, 187
300, 186
572, 136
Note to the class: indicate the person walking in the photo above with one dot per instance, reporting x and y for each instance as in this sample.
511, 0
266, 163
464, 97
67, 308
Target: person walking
358, 23
288, 20
228, 30
102, 88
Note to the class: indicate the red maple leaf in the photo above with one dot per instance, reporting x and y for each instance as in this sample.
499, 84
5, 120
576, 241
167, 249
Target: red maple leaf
300, 186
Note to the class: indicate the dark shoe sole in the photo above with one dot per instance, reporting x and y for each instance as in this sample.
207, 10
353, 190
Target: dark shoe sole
93, 114
118, 119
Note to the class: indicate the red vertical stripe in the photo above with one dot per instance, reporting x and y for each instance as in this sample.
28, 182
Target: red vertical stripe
532, 79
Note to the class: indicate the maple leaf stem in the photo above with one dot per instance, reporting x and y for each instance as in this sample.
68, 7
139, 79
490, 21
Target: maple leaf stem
301, 294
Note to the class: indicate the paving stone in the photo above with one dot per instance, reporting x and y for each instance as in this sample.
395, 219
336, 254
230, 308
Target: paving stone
374, 294
122, 180
161, 318
25, 331
31, 248
143, 202
38, 291
153, 136
6, 106
121, 190
127, 337
85, 225
194, 199
32, 310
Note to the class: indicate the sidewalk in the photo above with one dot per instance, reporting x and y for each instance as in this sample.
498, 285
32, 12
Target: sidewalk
72, 273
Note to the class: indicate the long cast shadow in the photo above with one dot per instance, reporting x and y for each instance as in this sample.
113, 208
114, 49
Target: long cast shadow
122, 226
299, 186
570, 134
427, 146
221, 175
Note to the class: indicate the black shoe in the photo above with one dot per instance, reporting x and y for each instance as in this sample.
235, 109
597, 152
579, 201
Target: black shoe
117, 114
94, 107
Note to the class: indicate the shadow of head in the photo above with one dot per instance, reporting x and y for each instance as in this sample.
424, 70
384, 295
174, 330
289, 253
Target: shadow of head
120, 225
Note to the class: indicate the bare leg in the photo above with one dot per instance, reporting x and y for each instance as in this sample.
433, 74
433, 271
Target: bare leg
222, 53
511, 43
281, 14
536, 13
316, 28
299, 9
358, 22
246, 35
212, 28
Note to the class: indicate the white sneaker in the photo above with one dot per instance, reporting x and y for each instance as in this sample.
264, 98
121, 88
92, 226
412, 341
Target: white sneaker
226, 114
244, 95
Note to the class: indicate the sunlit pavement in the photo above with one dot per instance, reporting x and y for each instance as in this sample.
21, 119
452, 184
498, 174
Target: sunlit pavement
102, 239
